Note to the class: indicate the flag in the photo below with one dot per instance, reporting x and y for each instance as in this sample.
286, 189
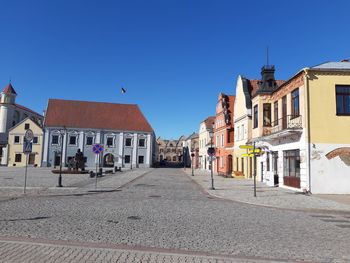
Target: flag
123, 90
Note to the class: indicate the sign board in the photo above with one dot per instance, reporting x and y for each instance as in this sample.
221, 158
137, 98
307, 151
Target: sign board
27, 146
29, 135
255, 151
97, 148
247, 155
211, 151
246, 147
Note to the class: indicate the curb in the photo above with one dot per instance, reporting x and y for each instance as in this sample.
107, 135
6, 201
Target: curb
308, 210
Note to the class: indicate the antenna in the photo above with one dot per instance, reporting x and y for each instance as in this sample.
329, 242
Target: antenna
267, 56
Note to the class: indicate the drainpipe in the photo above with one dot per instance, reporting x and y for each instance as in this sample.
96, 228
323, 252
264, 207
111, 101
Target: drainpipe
307, 115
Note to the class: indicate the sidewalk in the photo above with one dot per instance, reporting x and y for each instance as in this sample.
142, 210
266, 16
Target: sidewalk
42, 182
242, 190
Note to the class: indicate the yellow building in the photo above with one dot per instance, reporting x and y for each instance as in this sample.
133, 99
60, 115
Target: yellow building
15, 144
303, 127
243, 166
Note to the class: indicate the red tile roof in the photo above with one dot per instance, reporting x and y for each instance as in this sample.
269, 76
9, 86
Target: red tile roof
95, 115
9, 89
254, 85
209, 122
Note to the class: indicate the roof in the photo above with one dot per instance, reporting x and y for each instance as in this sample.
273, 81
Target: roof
27, 109
95, 115
254, 85
25, 120
9, 89
333, 65
192, 136
209, 122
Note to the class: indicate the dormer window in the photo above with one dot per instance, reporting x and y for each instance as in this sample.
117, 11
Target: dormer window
270, 82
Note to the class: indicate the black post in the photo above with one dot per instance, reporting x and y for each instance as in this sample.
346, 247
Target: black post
211, 166
61, 159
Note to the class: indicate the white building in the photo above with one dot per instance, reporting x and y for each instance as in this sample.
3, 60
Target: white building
204, 142
11, 114
128, 139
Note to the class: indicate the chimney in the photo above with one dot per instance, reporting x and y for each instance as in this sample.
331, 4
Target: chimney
344, 60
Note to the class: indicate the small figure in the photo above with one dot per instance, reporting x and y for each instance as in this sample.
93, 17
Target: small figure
79, 159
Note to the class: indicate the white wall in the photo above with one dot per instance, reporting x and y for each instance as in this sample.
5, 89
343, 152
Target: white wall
329, 176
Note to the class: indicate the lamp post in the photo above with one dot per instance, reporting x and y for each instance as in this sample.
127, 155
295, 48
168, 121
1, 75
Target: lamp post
61, 158
211, 153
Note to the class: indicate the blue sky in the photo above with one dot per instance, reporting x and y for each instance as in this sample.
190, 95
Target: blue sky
173, 57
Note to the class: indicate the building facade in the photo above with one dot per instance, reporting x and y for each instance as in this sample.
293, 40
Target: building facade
224, 134
243, 165
204, 142
170, 151
16, 157
302, 127
191, 147
128, 139
11, 113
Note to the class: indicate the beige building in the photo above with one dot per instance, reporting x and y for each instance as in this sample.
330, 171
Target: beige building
170, 151
15, 144
204, 142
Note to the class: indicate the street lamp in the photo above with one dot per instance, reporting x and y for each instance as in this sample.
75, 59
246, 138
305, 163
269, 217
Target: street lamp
211, 153
61, 159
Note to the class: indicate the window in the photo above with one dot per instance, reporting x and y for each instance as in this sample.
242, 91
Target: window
109, 141
26, 126
275, 112
343, 100
255, 116
295, 103
16, 139
141, 159
222, 140
72, 140
35, 139
141, 142
291, 163
89, 140
127, 158
174, 158
267, 114
18, 157
54, 139
128, 142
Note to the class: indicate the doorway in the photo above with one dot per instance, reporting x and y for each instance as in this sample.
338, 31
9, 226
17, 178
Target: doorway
275, 168
31, 159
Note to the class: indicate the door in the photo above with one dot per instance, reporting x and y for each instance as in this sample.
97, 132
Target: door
284, 112
57, 160
230, 165
31, 159
275, 167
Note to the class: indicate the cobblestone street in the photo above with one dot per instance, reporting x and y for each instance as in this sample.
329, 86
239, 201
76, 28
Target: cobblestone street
163, 216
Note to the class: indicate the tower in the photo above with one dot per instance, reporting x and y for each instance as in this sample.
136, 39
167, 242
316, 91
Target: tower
268, 82
8, 97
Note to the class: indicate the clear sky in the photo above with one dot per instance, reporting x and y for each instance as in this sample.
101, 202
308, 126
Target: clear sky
173, 57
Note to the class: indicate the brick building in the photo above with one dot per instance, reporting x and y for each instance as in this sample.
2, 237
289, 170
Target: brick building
224, 134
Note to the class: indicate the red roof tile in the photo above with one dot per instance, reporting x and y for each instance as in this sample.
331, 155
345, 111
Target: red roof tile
209, 122
9, 89
95, 115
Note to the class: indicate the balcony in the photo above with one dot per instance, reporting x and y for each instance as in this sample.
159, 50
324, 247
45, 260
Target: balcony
289, 124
